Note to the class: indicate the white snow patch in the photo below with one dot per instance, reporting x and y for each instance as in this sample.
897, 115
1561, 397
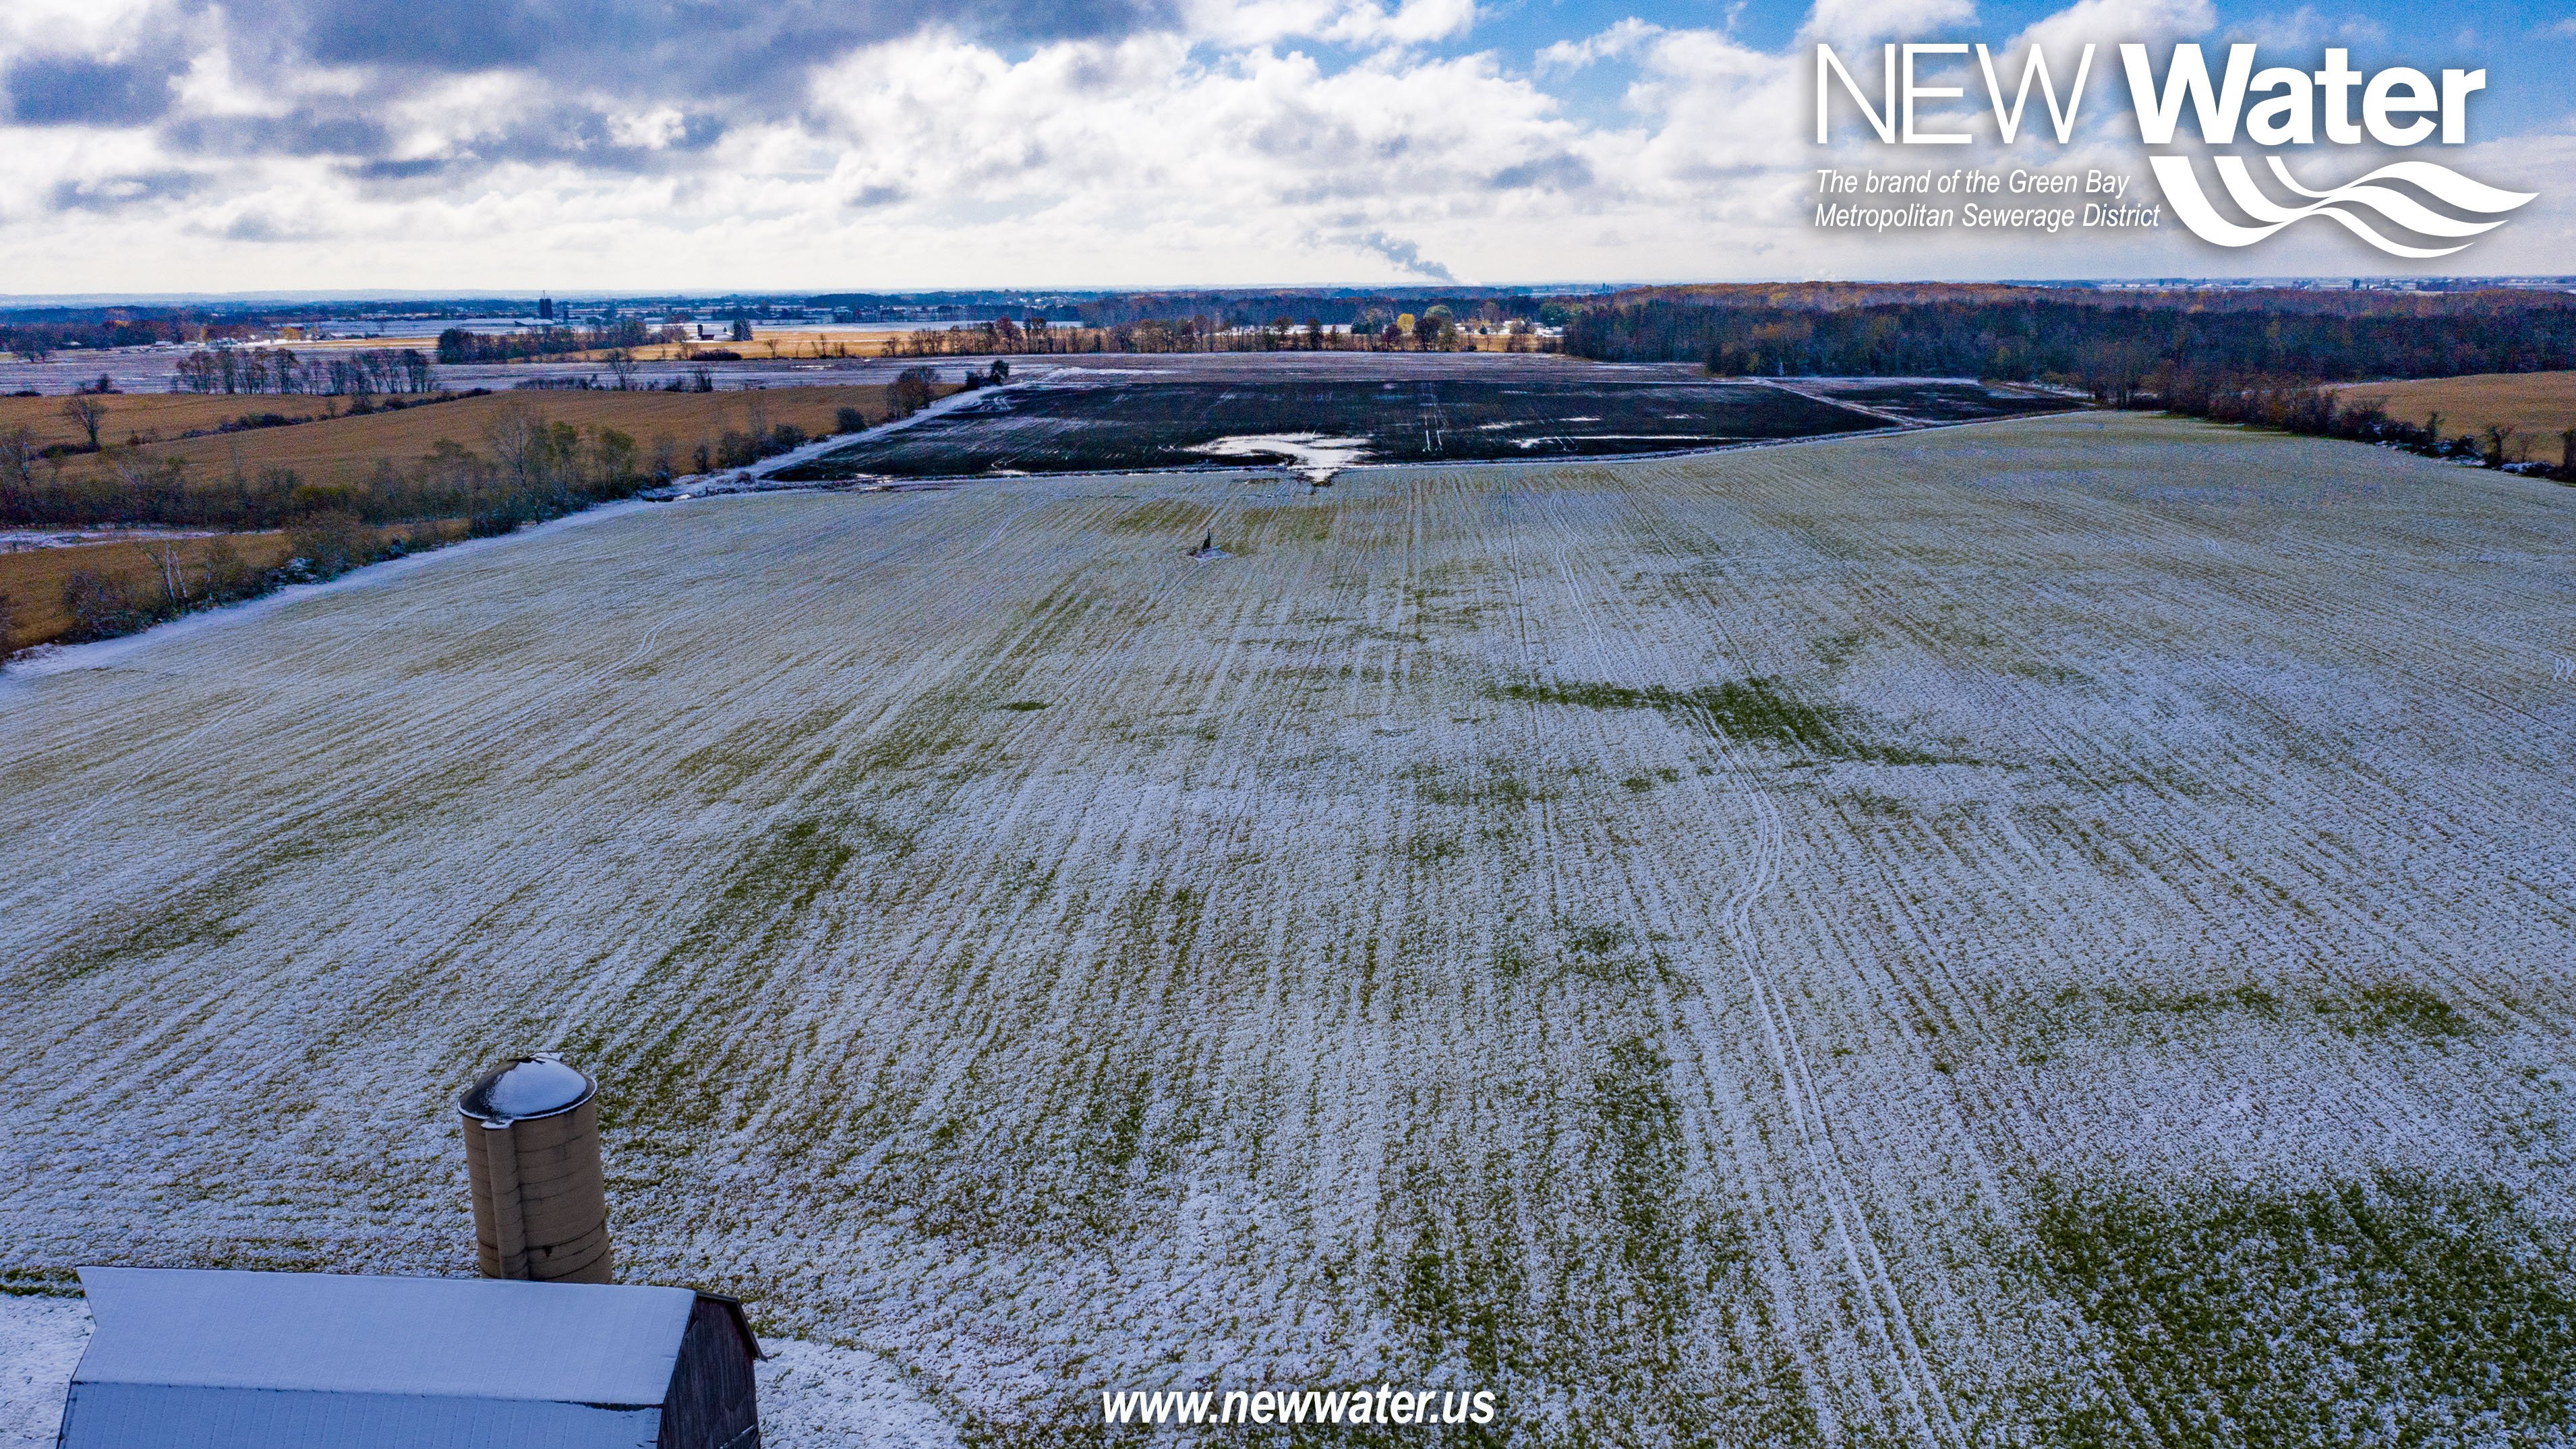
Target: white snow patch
40, 1343
816, 1396
1316, 456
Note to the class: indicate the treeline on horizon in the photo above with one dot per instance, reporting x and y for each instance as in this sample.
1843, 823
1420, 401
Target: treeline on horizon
37, 341
457, 346
1435, 330
261, 371
2121, 347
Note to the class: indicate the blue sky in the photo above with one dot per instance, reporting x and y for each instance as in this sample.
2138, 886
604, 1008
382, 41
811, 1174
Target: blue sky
159, 145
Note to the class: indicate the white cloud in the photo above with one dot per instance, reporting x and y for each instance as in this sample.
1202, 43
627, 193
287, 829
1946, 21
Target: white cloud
1277, 141
1855, 22
1616, 43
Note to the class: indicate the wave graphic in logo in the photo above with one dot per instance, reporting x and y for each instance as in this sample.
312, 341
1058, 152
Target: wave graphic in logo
2344, 204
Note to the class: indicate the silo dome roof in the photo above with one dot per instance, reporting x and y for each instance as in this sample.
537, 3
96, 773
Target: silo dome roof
535, 1086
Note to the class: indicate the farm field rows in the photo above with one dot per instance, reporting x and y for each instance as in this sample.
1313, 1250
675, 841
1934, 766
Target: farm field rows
1093, 420
2056, 931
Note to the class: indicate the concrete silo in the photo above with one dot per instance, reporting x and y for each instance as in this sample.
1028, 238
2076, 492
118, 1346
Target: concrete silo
532, 1149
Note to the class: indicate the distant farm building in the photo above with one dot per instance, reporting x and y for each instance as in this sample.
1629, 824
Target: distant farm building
185, 1359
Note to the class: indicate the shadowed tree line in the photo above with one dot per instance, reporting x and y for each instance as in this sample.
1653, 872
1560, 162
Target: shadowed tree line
456, 345
2258, 356
37, 341
182, 576
381, 371
1437, 329
2116, 346
526, 469
2354, 415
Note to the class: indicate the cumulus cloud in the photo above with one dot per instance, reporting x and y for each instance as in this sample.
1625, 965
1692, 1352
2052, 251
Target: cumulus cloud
835, 143
115, 193
1857, 22
1618, 42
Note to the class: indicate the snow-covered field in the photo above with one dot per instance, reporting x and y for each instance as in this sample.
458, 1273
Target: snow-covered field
2059, 930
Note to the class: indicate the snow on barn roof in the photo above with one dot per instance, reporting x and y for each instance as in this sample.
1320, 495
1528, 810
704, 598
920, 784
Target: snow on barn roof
212, 1360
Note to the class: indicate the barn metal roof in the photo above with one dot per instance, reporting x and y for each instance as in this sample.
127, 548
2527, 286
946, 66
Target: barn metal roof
187, 1359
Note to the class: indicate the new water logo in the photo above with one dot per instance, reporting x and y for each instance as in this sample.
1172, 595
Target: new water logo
2276, 106
2181, 185
2397, 109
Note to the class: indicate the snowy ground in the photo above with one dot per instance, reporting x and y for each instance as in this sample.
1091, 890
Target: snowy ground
40, 1340
2057, 929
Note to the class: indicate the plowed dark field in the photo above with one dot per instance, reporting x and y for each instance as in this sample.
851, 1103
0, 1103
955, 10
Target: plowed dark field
1119, 426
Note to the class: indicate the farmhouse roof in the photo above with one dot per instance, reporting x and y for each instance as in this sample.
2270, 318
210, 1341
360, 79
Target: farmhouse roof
211, 1360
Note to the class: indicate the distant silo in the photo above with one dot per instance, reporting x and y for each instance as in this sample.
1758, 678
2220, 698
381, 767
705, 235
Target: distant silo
532, 1149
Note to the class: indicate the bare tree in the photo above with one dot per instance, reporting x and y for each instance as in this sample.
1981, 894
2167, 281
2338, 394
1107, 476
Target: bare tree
517, 439
87, 412
18, 454
220, 571
163, 555
621, 363
2567, 453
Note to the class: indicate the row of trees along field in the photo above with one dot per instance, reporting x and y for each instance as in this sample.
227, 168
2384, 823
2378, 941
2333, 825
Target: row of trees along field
2116, 345
375, 372
523, 468
456, 345
1436, 330
527, 469
2352, 413
185, 576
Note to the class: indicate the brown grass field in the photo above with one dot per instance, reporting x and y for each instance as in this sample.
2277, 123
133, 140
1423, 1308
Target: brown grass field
32, 579
347, 449
149, 416
2541, 404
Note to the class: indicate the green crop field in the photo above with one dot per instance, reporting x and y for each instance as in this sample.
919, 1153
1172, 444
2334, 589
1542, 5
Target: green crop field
2050, 932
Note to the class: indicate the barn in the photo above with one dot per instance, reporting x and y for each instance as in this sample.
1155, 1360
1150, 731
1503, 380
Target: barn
189, 1359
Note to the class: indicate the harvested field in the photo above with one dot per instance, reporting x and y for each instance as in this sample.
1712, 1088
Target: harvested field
347, 450
1100, 424
32, 579
2055, 932
2541, 404
149, 416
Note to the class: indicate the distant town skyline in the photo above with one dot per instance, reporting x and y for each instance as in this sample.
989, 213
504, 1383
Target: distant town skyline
328, 145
